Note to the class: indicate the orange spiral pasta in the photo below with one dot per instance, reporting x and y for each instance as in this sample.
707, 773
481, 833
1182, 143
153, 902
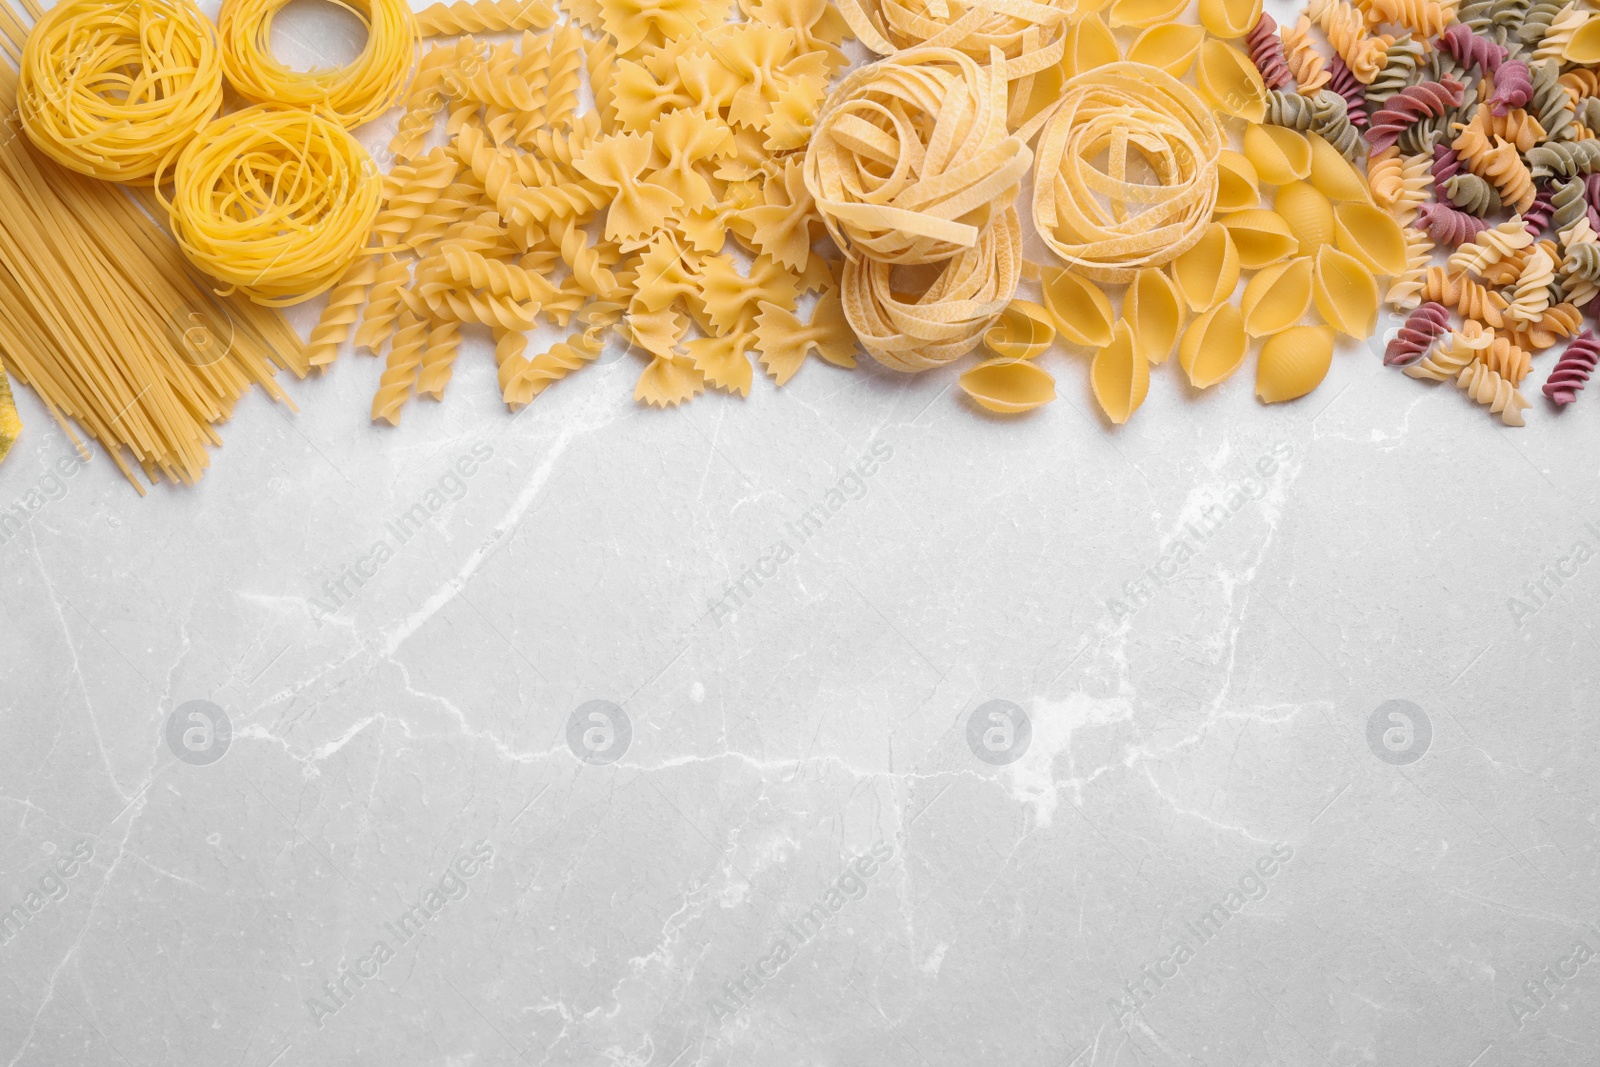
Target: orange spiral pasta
1110, 222
115, 88
350, 95
273, 204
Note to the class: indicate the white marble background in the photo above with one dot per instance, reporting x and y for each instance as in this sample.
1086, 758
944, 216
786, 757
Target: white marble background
1200, 652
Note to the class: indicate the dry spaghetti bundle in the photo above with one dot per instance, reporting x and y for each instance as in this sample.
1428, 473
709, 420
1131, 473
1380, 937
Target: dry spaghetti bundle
274, 204
113, 88
351, 95
1110, 221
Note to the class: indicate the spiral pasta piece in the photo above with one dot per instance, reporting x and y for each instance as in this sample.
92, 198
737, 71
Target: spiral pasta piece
350, 95
893, 184
1450, 357
116, 88
1302, 57
1346, 28
400, 369
1486, 387
344, 307
484, 16
1472, 299
1100, 221
273, 204
1421, 329
1572, 370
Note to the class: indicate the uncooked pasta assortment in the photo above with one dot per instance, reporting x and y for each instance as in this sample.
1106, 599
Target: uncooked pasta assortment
1021, 185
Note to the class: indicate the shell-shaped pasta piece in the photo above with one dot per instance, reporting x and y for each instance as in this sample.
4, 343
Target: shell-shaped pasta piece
1229, 18
1081, 311
1207, 273
1308, 213
1584, 47
1144, 12
1276, 297
1120, 376
1261, 236
1172, 46
1333, 174
1213, 346
1238, 185
1230, 82
1155, 311
1280, 154
1023, 330
1293, 363
1089, 45
1345, 292
1009, 386
1370, 235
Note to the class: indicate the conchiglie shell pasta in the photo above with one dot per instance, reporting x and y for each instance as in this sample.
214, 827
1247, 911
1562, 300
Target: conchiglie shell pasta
1261, 236
1308, 213
1276, 297
1229, 18
1089, 45
1120, 376
1080, 310
1584, 47
1238, 186
1009, 386
1155, 311
1023, 330
1213, 346
1207, 273
1293, 363
1231, 82
1171, 46
1372, 236
1345, 292
1280, 154
1333, 174
1144, 12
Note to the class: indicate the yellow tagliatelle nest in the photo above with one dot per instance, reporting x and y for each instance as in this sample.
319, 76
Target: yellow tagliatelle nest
112, 88
1029, 33
352, 94
911, 157
1093, 202
274, 204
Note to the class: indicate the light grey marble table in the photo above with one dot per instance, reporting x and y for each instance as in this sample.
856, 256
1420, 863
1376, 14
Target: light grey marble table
843, 725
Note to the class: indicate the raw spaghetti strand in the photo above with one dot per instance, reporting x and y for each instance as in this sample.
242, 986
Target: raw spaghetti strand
1104, 221
352, 94
115, 88
274, 204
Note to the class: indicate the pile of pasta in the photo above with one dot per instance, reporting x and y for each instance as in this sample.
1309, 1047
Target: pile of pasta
98, 311
1480, 121
673, 212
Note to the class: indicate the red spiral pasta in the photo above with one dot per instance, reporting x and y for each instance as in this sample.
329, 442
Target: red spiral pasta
1422, 328
1341, 81
1448, 225
1426, 100
1266, 52
1446, 165
1471, 50
1512, 87
1570, 373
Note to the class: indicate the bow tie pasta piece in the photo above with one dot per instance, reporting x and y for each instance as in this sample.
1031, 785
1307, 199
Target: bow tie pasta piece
785, 224
784, 341
1229, 18
1089, 46
1334, 175
1023, 330
1080, 310
1345, 293
1171, 46
1208, 272
1120, 376
1141, 13
1238, 186
616, 163
1213, 346
1262, 237
1093, 202
1277, 297
1308, 213
911, 156
632, 22
1231, 82
685, 138
1155, 311
1009, 386
1371, 236
1293, 363
1280, 155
